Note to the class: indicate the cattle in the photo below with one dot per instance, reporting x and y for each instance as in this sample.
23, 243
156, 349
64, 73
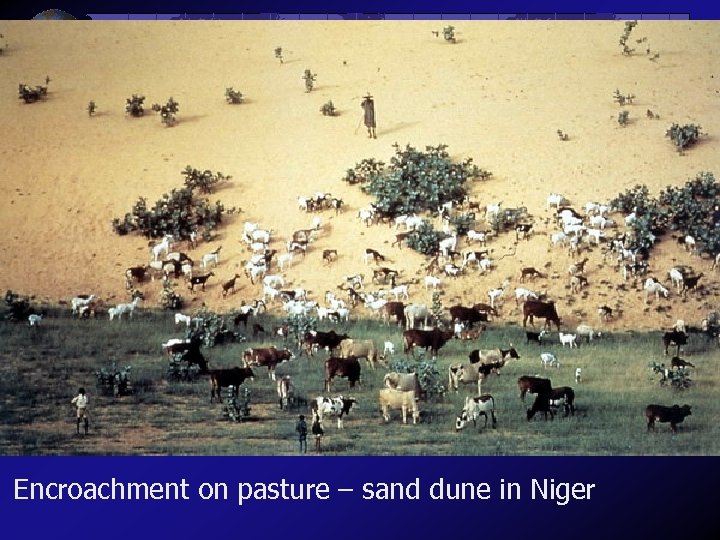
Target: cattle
535, 336
468, 315
544, 310
487, 356
563, 396
268, 357
415, 312
323, 340
285, 391
541, 404
228, 377
676, 338
359, 348
474, 408
348, 368
534, 385
660, 413
427, 339
394, 310
471, 373
678, 362
469, 335
404, 400
338, 406
404, 382
485, 308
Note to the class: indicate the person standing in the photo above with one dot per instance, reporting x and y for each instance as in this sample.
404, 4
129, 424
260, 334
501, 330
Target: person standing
318, 431
81, 402
368, 106
301, 429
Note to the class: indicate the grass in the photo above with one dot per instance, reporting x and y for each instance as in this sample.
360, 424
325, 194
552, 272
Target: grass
41, 369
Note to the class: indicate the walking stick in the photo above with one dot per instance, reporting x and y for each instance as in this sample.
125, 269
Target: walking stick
359, 124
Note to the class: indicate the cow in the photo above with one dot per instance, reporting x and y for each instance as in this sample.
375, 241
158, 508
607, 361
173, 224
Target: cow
468, 315
676, 338
534, 385
471, 373
393, 310
544, 310
541, 404
415, 312
359, 348
228, 377
395, 398
474, 408
563, 396
348, 368
338, 406
322, 340
488, 356
404, 382
660, 413
427, 339
285, 391
485, 308
269, 357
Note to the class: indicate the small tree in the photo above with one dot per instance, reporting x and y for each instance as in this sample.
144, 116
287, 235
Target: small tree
425, 239
437, 308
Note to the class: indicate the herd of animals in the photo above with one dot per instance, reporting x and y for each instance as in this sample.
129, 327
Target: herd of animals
403, 391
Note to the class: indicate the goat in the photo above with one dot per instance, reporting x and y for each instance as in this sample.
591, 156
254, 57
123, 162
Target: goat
329, 255
376, 256
34, 319
123, 308
556, 200
284, 259
578, 267
530, 271
164, 245
690, 283
577, 283
199, 280
568, 339
180, 318
535, 336
229, 285
548, 359
432, 281
474, 236
605, 313
211, 257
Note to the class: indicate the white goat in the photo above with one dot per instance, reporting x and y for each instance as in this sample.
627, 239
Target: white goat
389, 348
400, 290
475, 236
120, 309
274, 281
654, 287
211, 257
555, 199
549, 359
284, 259
568, 339
160, 247
432, 281
34, 319
180, 318
677, 278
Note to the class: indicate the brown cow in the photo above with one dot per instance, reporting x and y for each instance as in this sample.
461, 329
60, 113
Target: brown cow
342, 367
534, 385
393, 310
427, 339
468, 315
544, 310
228, 377
322, 340
269, 357
661, 413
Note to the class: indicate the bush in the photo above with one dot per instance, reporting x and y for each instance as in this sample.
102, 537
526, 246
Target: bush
683, 136
425, 239
428, 375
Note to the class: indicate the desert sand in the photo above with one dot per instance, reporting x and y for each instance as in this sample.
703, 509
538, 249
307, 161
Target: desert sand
498, 96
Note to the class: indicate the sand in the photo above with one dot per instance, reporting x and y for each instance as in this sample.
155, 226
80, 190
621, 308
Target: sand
498, 96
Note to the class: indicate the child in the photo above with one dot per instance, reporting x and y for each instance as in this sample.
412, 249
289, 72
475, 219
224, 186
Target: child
81, 401
301, 429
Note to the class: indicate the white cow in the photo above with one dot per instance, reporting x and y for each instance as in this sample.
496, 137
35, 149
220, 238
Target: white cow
338, 406
474, 408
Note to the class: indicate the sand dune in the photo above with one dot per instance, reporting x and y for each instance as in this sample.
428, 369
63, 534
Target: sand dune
498, 95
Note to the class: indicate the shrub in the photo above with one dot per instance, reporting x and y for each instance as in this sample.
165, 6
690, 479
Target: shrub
683, 136
425, 239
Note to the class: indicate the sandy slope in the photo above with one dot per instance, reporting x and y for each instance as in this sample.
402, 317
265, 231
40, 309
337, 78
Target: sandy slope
498, 96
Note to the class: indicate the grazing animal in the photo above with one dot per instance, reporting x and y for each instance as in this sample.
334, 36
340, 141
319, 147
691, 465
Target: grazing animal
34, 319
211, 257
359, 348
660, 413
268, 357
467, 315
220, 378
322, 340
542, 404
605, 313
432, 281
654, 287
137, 273
471, 374
374, 255
348, 368
414, 313
524, 294
544, 310
535, 336
329, 255
563, 396
474, 408
163, 246
82, 300
284, 260
229, 285
530, 272
399, 239
120, 309
548, 359
337, 406
583, 330
678, 362
180, 318
476, 236
522, 230
485, 308
488, 356
556, 200
690, 283
257, 330
404, 382
390, 398
578, 375
568, 339
394, 310
427, 339
389, 349
199, 280
533, 385
286, 391
577, 283
674, 338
